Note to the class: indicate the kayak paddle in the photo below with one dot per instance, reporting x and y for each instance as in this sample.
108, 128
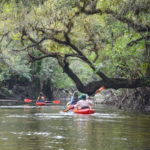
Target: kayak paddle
56, 102
101, 89
68, 108
27, 100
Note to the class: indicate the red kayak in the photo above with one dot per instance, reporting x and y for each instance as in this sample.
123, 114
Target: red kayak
84, 111
40, 103
70, 107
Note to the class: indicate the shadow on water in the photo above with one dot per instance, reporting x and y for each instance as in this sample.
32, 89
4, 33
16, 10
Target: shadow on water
26, 126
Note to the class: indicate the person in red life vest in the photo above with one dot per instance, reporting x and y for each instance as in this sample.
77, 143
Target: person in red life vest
83, 102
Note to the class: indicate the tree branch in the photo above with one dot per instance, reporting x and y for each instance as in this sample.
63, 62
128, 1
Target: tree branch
136, 26
55, 55
33, 58
67, 42
115, 83
5, 34
71, 74
137, 40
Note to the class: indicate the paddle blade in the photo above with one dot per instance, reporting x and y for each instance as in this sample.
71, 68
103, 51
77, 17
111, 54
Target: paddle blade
101, 89
56, 101
27, 100
65, 110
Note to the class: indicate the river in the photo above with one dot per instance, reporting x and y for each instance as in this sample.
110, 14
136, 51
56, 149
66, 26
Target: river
27, 127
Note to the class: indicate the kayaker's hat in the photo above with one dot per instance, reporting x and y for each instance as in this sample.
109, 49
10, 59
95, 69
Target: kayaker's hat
83, 97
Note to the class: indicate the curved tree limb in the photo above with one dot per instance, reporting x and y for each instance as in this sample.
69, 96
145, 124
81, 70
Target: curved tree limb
83, 57
136, 26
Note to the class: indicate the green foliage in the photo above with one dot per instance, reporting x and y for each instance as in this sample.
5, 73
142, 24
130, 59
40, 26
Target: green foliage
102, 38
4, 73
51, 70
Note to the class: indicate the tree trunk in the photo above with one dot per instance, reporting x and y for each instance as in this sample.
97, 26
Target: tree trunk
148, 58
47, 89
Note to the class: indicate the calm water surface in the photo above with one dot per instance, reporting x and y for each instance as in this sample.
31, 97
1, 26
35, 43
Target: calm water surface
27, 127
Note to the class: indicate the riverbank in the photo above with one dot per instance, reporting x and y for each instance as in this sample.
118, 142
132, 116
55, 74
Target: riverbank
126, 99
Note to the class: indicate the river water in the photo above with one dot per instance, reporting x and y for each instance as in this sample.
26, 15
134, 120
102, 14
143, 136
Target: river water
27, 127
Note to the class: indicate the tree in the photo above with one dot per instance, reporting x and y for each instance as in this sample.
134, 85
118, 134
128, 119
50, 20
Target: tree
110, 39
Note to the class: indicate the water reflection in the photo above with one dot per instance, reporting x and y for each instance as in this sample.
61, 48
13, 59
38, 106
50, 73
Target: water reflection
28, 127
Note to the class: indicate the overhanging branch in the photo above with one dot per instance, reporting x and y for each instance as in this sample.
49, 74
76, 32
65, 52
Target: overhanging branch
136, 26
82, 56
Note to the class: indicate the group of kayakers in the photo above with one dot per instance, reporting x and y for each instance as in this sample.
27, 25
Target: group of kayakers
82, 101
75, 102
78, 104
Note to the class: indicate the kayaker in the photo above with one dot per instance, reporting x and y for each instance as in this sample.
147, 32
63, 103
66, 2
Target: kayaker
74, 98
72, 102
83, 103
41, 98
